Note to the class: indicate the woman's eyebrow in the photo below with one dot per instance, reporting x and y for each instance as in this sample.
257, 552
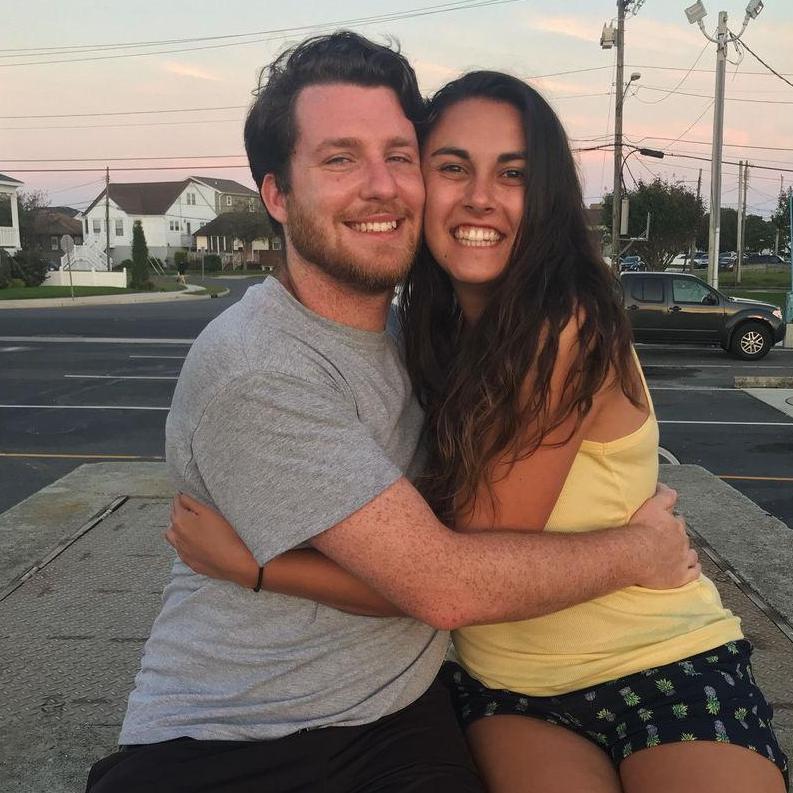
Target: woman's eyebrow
465, 155
451, 150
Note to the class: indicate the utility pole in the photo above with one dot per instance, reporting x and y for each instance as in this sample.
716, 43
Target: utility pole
616, 195
781, 192
694, 238
743, 169
718, 140
107, 217
695, 14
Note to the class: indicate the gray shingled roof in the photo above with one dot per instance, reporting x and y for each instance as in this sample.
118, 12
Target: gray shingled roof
142, 198
4, 178
225, 185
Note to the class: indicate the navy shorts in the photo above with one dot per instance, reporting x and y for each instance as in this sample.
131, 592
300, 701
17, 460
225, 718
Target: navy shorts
708, 697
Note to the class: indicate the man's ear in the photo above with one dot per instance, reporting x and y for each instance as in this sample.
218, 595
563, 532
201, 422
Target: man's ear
274, 199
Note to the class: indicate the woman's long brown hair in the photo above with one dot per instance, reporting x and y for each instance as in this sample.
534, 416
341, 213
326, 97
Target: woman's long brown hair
484, 386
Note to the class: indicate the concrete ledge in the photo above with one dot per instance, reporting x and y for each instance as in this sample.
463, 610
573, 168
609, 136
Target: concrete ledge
72, 633
109, 300
754, 543
759, 381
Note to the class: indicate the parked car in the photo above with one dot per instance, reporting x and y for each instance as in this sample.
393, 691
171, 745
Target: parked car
632, 264
762, 258
678, 307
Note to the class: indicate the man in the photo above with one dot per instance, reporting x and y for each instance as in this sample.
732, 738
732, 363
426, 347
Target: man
293, 416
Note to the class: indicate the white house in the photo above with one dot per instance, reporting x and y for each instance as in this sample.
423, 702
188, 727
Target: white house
9, 214
170, 212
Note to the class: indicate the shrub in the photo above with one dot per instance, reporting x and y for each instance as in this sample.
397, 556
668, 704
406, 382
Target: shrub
16, 283
140, 258
30, 267
117, 268
5, 269
212, 263
180, 260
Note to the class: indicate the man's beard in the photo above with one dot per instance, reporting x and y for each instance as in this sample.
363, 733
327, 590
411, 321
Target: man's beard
345, 265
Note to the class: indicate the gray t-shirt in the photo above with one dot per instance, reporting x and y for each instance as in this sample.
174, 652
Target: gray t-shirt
287, 423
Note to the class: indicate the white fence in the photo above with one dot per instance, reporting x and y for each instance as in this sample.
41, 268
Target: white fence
87, 278
85, 257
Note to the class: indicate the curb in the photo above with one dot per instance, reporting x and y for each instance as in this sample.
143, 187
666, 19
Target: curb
108, 300
761, 381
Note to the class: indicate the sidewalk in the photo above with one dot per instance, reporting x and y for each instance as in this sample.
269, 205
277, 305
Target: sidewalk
188, 293
83, 563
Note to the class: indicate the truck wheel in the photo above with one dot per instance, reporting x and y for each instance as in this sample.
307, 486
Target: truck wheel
751, 341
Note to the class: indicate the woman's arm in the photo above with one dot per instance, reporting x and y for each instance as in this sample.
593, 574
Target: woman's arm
208, 544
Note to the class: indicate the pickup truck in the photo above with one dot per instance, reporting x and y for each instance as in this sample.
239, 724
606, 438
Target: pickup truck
678, 307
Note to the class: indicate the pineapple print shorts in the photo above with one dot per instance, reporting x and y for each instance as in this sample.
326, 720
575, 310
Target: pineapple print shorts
708, 697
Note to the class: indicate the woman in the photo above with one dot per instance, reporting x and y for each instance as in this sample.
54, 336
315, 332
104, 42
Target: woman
539, 416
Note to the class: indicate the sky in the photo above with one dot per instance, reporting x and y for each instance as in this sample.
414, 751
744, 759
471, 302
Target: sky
50, 66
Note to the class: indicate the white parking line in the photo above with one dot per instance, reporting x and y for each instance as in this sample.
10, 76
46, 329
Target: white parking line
755, 367
83, 407
691, 388
693, 348
92, 340
732, 423
163, 357
119, 377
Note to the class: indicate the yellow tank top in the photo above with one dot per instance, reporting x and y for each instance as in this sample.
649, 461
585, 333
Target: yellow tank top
622, 633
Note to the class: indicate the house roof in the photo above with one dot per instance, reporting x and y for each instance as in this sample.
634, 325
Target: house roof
52, 221
142, 198
228, 223
70, 211
4, 178
225, 185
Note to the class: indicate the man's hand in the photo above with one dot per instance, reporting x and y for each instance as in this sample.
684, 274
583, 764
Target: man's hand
666, 558
208, 544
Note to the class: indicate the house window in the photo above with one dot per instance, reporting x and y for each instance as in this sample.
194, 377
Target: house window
228, 200
97, 225
86, 226
188, 226
276, 243
119, 227
174, 225
5, 210
191, 199
54, 246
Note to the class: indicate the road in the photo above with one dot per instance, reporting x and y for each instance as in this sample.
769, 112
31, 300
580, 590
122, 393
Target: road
99, 387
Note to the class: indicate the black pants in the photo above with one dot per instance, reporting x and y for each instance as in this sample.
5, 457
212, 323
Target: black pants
418, 750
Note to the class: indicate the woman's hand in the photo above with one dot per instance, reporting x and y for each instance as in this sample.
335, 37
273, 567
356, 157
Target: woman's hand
207, 543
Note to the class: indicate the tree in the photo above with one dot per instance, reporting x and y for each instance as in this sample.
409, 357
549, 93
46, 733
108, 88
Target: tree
27, 204
247, 227
675, 212
759, 235
29, 266
140, 258
781, 218
728, 235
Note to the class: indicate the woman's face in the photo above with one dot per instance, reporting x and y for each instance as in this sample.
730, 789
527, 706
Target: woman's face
474, 164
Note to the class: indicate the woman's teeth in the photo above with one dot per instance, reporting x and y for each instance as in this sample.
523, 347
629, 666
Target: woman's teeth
476, 236
369, 227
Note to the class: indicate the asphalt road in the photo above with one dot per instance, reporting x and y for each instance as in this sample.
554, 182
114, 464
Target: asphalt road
99, 389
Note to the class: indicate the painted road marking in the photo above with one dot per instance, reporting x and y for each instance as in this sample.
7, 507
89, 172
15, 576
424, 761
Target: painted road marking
757, 478
733, 423
691, 347
120, 377
53, 456
91, 340
163, 357
14, 349
691, 388
648, 365
89, 407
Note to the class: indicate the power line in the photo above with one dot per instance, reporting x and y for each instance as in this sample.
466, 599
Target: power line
131, 112
270, 35
138, 124
119, 159
681, 81
728, 98
129, 168
770, 69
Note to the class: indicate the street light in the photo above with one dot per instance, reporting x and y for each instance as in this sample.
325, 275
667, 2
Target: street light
695, 14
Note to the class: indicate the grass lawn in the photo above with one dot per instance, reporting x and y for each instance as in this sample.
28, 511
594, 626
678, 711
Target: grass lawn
30, 292
779, 278
776, 297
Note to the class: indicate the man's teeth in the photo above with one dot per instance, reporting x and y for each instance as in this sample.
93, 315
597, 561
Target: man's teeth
476, 236
369, 227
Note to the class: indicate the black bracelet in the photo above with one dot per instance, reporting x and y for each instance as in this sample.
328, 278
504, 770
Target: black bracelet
258, 587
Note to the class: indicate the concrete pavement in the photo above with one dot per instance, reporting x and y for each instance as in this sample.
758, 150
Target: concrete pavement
82, 566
